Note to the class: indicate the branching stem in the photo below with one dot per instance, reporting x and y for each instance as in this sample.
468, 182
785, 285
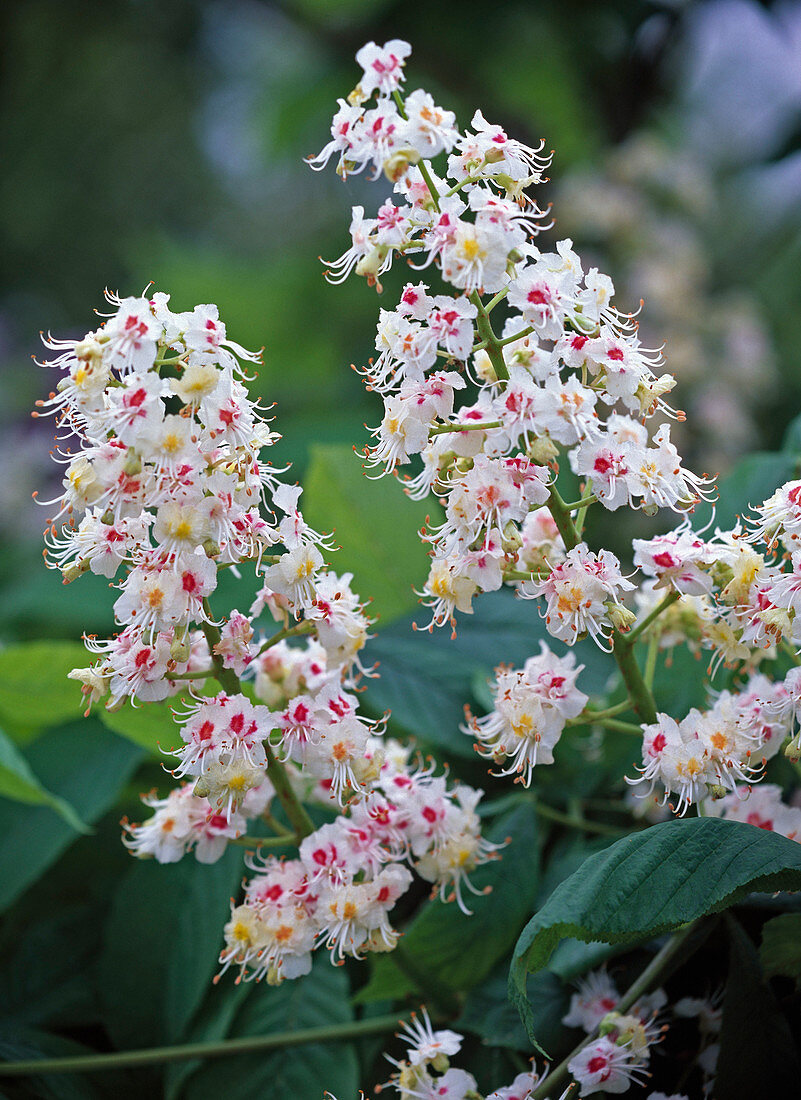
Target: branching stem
130, 1059
229, 682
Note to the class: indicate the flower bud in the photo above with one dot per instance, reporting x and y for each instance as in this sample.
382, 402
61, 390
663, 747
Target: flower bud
88, 349
716, 790
74, 570
777, 621
202, 789
370, 265
368, 770
511, 540
621, 618
181, 648
396, 166
93, 682
483, 367
212, 548
792, 750
356, 97
273, 975
133, 463
649, 392
543, 450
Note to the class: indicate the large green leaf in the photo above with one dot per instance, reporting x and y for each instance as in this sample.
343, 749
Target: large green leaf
489, 1014
81, 763
151, 725
753, 1022
176, 915
752, 481
47, 969
19, 784
426, 679
375, 524
448, 949
19, 1043
34, 689
653, 882
319, 999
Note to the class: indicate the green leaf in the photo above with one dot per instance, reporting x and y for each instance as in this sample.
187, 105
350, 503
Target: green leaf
489, 1014
212, 1023
81, 763
752, 1022
453, 951
653, 882
18, 783
751, 482
19, 1043
780, 952
34, 689
151, 725
792, 438
176, 913
319, 999
426, 679
47, 970
375, 524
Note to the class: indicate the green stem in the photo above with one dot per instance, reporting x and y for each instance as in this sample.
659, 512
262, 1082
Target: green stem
444, 1000
499, 297
642, 699
638, 628
649, 977
280, 841
575, 505
443, 429
788, 649
581, 514
306, 627
90, 1063
575, 822
293, 807
458, 186
621, 727
487, 334
424, 172
640, 694
203, 675
650, 662
590, 715
229, 682
517, 336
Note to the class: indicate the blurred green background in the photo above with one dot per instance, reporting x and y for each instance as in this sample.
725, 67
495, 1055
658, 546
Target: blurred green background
150, 141
164, 141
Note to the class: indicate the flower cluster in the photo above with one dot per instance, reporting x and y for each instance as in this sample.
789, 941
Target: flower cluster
564, 355
166, 486
532, 706
487, 408
426, 1073
715, 751
619, 1049
349, 873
